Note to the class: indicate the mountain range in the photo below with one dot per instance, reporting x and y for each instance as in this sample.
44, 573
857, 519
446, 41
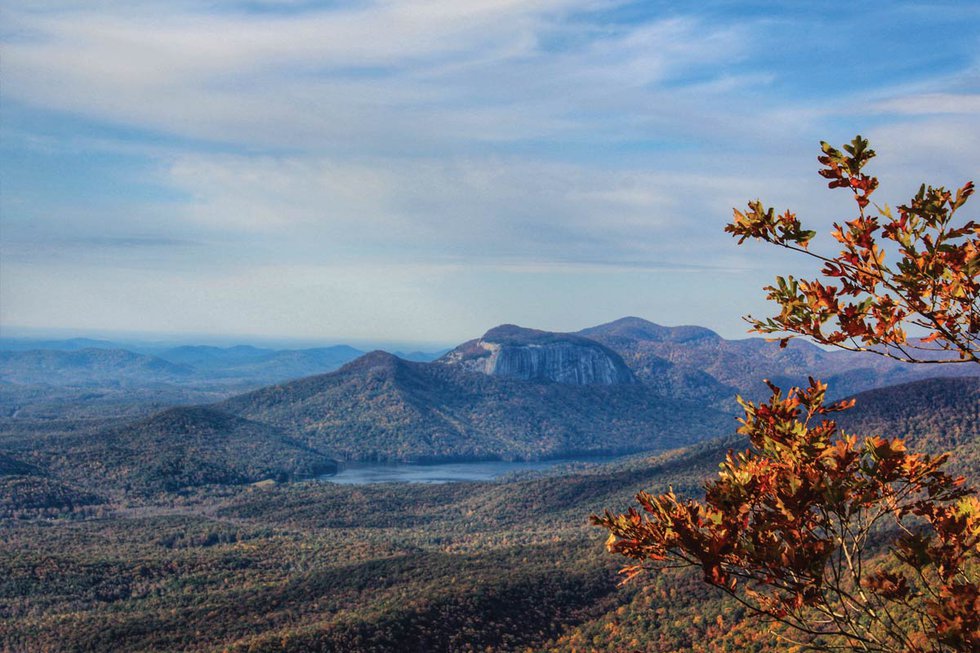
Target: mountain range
97, 363
512, 394
88, 367
127, 523
683, 362
690, 361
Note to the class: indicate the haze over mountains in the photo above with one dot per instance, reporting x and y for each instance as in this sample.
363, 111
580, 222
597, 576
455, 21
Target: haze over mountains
512, 394
85, 362
685, 362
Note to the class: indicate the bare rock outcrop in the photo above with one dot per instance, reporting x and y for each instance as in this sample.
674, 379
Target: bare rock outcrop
528, 354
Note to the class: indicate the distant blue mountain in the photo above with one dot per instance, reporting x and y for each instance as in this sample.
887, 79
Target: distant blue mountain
422, 356
87, 362
71, 344
88, 367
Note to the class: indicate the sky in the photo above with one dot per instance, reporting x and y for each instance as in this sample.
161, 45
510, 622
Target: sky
420, 171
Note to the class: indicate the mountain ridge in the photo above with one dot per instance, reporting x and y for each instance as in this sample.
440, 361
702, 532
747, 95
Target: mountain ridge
678, 359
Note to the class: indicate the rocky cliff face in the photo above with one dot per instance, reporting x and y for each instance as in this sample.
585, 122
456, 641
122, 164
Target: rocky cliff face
527, 354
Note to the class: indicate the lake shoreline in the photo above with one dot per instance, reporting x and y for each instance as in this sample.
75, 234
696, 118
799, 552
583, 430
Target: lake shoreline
459, 471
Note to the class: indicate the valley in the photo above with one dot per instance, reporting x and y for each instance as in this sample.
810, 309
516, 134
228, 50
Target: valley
138, 518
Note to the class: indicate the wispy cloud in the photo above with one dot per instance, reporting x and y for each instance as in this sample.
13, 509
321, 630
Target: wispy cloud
382, 76
456, 209
483, 142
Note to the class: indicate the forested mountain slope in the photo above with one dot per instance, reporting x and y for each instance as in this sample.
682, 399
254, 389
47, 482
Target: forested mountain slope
189, 446
382, 407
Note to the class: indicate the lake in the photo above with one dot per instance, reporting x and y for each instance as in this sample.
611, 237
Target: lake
487, 470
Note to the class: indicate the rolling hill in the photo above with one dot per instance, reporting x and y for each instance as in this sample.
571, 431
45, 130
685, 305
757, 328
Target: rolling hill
186, 447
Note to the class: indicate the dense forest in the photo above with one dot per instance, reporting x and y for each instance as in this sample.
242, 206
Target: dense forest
311, 566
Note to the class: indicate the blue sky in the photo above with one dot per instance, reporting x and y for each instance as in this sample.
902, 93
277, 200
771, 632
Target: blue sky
423, 170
